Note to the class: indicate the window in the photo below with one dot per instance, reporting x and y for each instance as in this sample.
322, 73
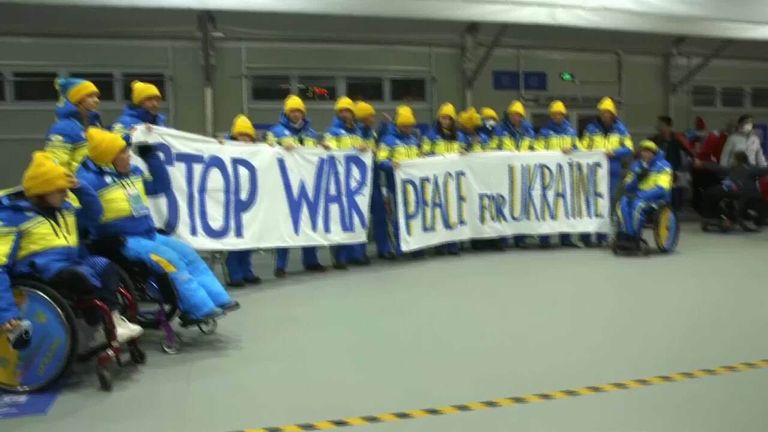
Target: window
369, 89
760, 97
34, 86
408, 89
105, 82
732, 97
704, 96
2, 87
154, 78
317, 88
270, 87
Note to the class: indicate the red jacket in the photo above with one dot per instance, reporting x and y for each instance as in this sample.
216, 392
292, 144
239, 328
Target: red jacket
712, 147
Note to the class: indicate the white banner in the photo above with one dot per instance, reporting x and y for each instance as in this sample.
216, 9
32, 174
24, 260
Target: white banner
500, 194
247, 196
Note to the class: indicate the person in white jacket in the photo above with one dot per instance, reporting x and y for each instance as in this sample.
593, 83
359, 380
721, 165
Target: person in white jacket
744, 140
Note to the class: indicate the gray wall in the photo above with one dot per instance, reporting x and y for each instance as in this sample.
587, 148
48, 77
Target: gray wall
22, 127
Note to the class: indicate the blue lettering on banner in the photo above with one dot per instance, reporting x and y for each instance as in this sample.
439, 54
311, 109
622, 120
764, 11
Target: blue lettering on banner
492, 208
435, 200
355, 167
214, 162
529, 183
546, 187
561, 197
597, 196
235, 204
296, 203
334, 196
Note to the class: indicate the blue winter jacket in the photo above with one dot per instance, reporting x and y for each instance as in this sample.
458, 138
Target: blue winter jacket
515, 139
558, 137
135, 115
650, 182
118, 218
66, 140
39, 242
398, 147
597, 137
285, 132
342, 137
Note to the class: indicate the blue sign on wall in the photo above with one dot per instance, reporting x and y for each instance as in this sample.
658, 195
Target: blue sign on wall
510, 80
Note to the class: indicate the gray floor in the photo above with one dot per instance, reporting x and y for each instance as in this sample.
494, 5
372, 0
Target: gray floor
407, 335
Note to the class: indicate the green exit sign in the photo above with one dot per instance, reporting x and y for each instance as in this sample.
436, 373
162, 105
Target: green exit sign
567, 76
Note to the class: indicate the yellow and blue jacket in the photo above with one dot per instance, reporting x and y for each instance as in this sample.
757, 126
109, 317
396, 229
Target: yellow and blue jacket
39, 242
478, 142
493, 136
113, 190
398, 147
342, 137
616, 138
132, 116
519, 140
439, 141
285, 132
650, 182
66, 140
558, 137
369, 136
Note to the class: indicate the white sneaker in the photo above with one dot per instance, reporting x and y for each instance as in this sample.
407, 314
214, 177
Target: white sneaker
125, 329
98, 338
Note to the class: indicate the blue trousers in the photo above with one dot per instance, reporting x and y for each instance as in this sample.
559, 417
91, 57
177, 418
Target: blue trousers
346, 254
386, 229
632, 214
381, 226
200, 293
239, 266
308, 258
450, 248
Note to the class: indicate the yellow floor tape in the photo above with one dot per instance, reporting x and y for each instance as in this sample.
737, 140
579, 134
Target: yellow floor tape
514, 400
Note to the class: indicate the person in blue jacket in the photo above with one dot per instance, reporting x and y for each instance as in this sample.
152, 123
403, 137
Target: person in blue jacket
491, 128
238, 263
345, 134
294, 130
401, 145
648, 183
122, 189
609, 135
145, 106
558, 135
518, 136
365, 114
39, 238
75, 112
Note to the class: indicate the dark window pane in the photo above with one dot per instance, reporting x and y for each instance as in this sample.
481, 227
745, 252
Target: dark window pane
104, 82
369, 89
704, 96
154, 78
34, 86
760, 97
272, 87
317, 88
732, 97
409, 89
2, 87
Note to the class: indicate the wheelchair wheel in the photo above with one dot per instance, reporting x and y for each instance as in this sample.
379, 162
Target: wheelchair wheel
208, 327
666, 230
749, 219
53, 346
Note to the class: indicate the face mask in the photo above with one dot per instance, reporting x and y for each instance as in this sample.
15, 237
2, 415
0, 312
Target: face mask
746, 127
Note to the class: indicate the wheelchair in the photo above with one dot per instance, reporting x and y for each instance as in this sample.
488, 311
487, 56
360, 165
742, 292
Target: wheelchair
734, 211
54, 344
159, 304
663, 222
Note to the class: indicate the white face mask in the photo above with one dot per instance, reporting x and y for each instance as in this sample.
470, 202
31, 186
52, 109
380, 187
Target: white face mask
746, 128
490, 123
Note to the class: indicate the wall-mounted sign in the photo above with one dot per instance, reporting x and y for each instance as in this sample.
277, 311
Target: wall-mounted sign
510, 80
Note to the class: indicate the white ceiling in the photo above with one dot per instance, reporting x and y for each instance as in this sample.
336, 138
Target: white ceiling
735, 19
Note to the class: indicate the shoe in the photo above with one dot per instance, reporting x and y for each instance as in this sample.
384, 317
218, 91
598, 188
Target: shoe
188, 320
124, 329
338, 266
280, 273
253, 280
230, 307
316, 268
440, 252
236, 284
364, 261
98, 339
390, 256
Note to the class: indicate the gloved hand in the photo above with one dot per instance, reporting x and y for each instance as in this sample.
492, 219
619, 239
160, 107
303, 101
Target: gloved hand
144, 150
642, 174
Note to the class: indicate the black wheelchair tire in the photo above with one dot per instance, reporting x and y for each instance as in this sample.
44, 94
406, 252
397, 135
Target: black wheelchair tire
69, 318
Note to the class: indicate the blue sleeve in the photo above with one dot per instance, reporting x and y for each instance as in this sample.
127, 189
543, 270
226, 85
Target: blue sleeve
621, 152
8, 308
90, 211
160, 181
654, 194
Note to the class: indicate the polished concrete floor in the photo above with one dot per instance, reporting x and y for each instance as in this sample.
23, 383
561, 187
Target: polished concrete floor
417, 334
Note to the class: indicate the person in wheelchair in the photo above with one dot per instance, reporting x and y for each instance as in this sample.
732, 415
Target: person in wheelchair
39, 239
647, 185
738, 185
122, 189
